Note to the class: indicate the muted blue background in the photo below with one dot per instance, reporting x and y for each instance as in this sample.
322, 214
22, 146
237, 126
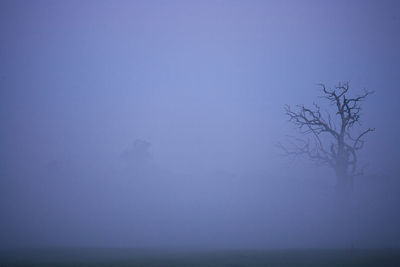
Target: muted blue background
204, 82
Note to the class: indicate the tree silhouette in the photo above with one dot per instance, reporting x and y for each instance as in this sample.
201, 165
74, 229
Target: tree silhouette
329, 137
138, 156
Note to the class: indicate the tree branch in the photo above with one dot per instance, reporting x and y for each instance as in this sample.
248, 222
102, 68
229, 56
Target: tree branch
311, 121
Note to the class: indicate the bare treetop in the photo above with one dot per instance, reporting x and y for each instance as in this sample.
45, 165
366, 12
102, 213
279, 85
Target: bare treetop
332, 141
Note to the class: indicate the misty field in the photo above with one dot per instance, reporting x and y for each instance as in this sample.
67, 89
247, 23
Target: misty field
145, 257
199, 133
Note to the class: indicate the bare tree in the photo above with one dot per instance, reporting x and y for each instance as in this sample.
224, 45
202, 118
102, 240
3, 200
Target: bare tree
329, 138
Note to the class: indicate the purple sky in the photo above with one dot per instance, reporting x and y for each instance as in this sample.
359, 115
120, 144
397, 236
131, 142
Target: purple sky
204, 82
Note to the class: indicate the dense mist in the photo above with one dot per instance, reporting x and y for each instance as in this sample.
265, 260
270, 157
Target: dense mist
157, 123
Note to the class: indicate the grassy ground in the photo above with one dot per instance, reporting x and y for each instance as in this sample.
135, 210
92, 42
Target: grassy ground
234, 258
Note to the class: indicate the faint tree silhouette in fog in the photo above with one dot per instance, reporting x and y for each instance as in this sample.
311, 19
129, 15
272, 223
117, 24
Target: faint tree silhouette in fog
328, 137
138, 155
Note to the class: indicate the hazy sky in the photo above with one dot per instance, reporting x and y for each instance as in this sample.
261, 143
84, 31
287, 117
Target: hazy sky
204, 82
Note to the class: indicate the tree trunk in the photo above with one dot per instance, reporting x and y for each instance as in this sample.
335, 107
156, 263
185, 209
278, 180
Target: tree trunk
344, 185
344, 180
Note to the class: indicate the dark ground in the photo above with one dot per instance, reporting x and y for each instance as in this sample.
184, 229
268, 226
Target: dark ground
146, 257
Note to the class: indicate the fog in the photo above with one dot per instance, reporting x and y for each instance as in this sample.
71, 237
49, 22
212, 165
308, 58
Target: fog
156, 123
